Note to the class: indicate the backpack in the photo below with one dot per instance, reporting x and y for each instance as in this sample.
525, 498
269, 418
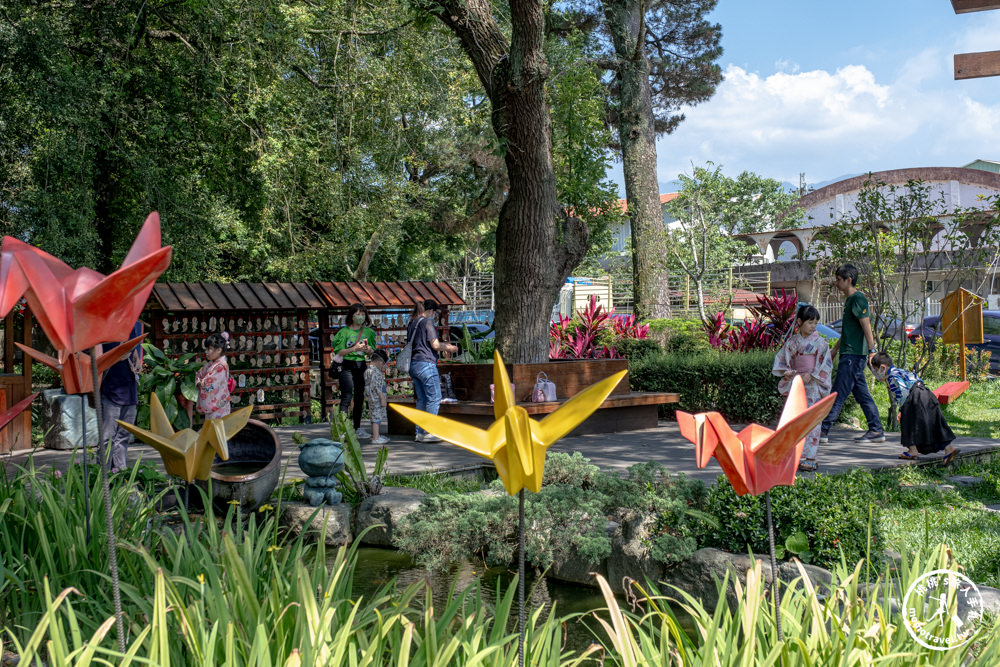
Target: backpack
406, 354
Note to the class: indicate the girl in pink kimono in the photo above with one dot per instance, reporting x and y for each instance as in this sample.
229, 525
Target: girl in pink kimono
213, 378
806, 353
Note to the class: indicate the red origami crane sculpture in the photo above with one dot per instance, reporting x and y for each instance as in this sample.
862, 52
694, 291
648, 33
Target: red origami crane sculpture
757, 458
7, 416
79, 309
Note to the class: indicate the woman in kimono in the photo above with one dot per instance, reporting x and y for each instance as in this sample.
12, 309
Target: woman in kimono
807, 354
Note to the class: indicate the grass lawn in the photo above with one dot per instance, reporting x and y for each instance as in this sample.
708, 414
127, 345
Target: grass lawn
916, 519
975, 414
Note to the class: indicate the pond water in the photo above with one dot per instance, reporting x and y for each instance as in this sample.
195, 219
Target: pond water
232, 468
377, 567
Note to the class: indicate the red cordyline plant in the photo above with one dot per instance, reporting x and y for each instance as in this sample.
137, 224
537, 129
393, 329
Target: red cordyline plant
582, 337
773, 318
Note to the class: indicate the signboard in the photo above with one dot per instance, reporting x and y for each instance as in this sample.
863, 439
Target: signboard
962, 322
962, 318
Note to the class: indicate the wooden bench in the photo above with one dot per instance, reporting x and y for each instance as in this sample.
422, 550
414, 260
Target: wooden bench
949, 391
619, 412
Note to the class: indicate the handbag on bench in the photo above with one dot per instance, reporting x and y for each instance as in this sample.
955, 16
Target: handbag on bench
544, 391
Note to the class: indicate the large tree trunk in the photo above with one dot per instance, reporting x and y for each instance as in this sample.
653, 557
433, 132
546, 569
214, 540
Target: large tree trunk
638, 141
537, 244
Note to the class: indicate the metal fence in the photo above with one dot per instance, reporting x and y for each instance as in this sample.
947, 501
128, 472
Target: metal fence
833, 311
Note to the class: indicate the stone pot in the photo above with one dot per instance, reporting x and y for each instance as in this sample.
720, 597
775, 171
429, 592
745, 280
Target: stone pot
251, 473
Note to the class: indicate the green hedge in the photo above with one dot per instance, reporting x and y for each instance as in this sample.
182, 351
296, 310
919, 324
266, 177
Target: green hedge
737, 384
832, 511
679, 336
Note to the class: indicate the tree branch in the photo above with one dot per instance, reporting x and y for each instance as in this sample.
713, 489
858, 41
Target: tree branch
612, 64
310, 79
361, 33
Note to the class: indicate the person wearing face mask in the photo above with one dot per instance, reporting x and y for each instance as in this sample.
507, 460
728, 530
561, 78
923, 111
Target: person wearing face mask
923, 428
354, 342
423, 335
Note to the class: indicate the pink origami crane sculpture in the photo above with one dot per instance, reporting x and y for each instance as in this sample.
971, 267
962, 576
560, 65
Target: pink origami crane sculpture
81, 308
757, 458
7, 416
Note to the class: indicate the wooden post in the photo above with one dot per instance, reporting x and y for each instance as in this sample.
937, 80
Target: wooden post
323, 316
8, 343
961, 337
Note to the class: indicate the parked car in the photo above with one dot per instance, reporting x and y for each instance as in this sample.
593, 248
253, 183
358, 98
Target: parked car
476, 331
827, 332
891, 330
930, 331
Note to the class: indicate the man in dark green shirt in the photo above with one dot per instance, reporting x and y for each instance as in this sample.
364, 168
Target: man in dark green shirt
856, 346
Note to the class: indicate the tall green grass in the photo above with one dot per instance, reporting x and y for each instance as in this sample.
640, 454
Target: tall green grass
849, 623
213, 591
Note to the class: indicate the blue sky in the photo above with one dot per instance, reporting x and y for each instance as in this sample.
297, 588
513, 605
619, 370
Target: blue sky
834, 88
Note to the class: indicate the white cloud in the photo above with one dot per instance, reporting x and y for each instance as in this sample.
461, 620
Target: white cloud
982, 33
831, 123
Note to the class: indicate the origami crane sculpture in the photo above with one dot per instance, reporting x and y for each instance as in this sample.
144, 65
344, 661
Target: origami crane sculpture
8, 415
80, 308
757, 458
188, 454
514, 442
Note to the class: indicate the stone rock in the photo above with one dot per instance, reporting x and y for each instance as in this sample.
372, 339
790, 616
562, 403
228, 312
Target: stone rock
992, 508
334, 519
991, 599
965, 480
575, 569
61, 420
630, 557
384, 512
699, 574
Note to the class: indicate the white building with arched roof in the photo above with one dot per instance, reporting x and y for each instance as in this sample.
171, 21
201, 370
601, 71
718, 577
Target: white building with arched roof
787, 253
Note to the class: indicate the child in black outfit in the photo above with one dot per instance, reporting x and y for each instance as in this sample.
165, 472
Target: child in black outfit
924, 428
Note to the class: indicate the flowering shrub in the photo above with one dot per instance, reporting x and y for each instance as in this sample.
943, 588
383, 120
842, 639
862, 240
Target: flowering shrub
773, 317
592, 333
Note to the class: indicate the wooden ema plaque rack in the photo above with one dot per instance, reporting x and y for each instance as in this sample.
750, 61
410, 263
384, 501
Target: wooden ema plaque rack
389, 305
268, 325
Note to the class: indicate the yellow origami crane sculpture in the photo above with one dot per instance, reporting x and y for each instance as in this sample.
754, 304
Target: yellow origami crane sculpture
188, 454
515, 442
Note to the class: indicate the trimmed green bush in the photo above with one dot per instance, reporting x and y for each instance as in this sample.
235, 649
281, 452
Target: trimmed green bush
570, 512
832, 511
737, 384
679, 336
634, 349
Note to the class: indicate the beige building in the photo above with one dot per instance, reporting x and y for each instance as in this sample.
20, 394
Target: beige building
789, 255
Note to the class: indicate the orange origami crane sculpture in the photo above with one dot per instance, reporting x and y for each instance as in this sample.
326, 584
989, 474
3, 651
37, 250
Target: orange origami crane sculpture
757, 458
80, 308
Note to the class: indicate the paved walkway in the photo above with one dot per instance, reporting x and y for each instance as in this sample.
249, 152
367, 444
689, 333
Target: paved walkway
609, 451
